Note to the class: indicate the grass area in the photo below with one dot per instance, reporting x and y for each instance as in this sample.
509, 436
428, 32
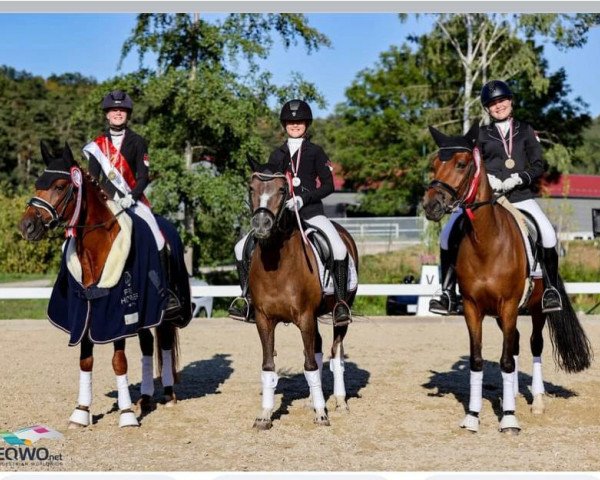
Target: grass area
20, 309
23, 277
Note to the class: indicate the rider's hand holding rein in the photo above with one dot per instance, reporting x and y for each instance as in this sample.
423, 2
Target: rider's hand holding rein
495, 183
294, 203
511, 182
127, 201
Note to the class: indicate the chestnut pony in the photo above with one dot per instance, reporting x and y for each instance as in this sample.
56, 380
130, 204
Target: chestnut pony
492, 269
96, 231
285, 287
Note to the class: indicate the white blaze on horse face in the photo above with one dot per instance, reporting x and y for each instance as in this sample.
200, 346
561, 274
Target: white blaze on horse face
264, 199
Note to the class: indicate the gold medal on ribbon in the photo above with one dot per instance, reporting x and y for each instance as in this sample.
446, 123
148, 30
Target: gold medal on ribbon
509, 163
112, 175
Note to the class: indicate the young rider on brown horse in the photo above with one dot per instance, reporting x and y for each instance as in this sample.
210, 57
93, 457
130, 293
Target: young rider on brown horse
513, 160
305, 162
118, 160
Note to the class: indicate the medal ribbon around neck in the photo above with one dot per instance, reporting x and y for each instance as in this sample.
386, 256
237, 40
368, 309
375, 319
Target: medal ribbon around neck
296, 180
509, 163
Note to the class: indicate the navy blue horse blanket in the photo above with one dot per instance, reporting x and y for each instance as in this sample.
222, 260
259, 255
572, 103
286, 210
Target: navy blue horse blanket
137, 301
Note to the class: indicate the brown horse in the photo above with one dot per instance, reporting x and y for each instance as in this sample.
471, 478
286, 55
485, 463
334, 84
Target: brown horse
67, 197
492, 270
285, 287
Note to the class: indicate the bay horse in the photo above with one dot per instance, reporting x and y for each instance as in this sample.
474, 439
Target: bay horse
285, 287
96, 248
492, 270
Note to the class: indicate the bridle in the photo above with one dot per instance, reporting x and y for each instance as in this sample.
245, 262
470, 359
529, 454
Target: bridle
266, 177
463, 195
57, 219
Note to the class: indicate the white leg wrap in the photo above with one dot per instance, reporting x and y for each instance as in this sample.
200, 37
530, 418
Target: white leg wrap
316, 390
476, 391
124, 399
319, 360
516, 379
85, 388
508, 391
147, 387
269, 382
537, 381
336, 365
167, 369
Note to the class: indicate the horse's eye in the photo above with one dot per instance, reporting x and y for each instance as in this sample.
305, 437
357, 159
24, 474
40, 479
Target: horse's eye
282, 190
59, 188
461, 165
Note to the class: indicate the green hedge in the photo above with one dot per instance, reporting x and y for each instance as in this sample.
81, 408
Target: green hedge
18, 255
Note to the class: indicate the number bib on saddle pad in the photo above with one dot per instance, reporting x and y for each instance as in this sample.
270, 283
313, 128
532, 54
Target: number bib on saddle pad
136, 301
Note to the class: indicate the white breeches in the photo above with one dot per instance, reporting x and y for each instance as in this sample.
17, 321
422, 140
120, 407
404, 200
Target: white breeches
143, 211
319, 221
530, 206
337, 244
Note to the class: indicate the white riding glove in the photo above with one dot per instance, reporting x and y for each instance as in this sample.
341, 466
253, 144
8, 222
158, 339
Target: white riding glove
289, 204
511, 182
127, 201
495, 183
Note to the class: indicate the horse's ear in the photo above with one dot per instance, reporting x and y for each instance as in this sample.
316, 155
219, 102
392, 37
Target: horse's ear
473, 133
46, 155
438, 137
68, 154
254, 165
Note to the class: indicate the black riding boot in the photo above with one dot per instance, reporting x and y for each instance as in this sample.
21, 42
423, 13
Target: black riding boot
551, 301
241, 308
173, 303
448, 303
341, 310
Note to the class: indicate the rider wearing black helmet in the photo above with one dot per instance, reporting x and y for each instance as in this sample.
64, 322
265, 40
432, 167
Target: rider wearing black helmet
513, 160
118, 159
306, 162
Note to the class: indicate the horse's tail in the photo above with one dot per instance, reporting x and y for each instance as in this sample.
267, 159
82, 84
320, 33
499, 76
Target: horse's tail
167, 338
572, 349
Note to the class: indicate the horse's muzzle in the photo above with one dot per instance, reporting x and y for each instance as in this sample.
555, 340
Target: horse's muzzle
32, 228
434, 208
262, 223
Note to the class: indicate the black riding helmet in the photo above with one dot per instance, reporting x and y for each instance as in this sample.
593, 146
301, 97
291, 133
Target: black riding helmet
495, 90
295, 110
117, 99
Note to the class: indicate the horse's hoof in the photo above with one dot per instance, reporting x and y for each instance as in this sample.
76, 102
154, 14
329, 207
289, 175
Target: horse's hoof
470, 423
538, 407
170, 400
510, 425
80, 418
262, 423
321, 419
128, 419
146, 404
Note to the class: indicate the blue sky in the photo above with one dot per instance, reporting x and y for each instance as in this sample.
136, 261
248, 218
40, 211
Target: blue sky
90, 44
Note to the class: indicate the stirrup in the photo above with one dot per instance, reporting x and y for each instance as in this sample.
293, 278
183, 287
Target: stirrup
446, 305
551, 301
173, 302
242, 312
346, 315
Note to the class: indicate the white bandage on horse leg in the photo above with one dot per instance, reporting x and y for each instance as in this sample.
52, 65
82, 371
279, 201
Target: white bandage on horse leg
537, 380
516, 379
336, 365
124, 399
319, 360
476, 391
316, 390
85, 388
167, 368
269, 382
147, 387
508, 391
